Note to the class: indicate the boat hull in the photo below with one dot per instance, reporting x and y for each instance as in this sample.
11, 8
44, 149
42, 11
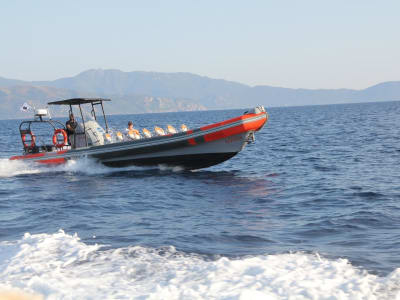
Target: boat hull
199, 148
187, 162
180, 153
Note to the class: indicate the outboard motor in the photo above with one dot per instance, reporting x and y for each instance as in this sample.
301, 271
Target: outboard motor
94, 133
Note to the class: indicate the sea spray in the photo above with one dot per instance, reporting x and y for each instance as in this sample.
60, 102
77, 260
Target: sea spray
88, 166
61, 266
10, 168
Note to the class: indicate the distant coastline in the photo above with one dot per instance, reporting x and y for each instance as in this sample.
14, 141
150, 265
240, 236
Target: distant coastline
151, 92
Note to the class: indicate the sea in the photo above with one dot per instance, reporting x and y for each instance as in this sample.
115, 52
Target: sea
310, 210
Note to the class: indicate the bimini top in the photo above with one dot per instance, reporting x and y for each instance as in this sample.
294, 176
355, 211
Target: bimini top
77, 101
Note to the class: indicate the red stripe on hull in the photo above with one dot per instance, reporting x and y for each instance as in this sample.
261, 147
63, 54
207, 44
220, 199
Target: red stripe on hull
37, 155
243, 117
254, 125
54, 161
192, 142
27, 156
222, 123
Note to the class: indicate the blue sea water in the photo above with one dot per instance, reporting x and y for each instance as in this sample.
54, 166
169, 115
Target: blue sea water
311, 209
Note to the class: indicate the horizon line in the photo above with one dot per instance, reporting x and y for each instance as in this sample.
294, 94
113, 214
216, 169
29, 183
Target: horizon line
194, 74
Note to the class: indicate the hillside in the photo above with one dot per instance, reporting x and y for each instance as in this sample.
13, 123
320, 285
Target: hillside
135, 92
214, 93
12, 98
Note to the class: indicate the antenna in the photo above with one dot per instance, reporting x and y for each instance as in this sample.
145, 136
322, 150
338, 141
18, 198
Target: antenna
48, 112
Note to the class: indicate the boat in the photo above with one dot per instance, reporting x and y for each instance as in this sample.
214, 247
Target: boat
187, 148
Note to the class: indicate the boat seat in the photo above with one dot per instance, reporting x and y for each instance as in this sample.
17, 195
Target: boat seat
171, 129
134, 134
108, 138
146, 133
34, 149
159, 131
184, 128
120, 137
48, 148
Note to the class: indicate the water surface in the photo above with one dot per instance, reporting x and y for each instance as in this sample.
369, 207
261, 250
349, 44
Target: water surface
310, 209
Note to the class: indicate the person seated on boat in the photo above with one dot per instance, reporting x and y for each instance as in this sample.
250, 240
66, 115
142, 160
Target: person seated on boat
71, 125
130, 126
132, 133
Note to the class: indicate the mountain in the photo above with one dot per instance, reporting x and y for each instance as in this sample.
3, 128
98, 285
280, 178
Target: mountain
213, 93
4, 82
134, 92
12, 98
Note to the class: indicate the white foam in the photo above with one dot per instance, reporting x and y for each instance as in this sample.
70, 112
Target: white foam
60, 266
175, 169
84, 165
90, 166
11, 168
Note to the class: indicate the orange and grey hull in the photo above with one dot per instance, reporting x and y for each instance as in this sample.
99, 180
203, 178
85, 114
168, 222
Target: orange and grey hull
194, 149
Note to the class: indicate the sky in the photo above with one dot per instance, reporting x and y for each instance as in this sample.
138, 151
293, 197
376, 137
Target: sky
295, 44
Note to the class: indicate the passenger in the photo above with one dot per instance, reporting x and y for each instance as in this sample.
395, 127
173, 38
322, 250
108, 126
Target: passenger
130, 126
131, 132
71, 127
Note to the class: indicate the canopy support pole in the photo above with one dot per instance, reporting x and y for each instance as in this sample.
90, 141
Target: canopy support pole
84, 128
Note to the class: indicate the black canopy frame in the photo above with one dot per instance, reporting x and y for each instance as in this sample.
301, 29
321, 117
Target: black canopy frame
25, 128
78, 102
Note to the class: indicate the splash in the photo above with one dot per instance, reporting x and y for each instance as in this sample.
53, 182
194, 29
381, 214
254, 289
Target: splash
87, 166
61, 266
11, 168
175, 169
84, 165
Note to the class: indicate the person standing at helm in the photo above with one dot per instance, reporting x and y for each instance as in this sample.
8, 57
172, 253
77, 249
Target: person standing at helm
71, 127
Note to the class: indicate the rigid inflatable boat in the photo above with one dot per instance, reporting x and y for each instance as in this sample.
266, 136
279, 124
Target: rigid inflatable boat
188, 148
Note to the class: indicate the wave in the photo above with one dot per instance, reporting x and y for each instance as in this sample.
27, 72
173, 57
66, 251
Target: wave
61, 266
12, 168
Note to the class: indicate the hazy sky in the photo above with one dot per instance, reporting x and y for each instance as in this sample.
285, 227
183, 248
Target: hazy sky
309, 44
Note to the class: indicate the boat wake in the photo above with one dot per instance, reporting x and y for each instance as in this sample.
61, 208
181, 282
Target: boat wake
175, 169
11, 168
87, 166
61, 266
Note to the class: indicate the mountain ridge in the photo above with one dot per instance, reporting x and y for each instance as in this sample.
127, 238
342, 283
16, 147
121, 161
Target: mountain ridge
183, 91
